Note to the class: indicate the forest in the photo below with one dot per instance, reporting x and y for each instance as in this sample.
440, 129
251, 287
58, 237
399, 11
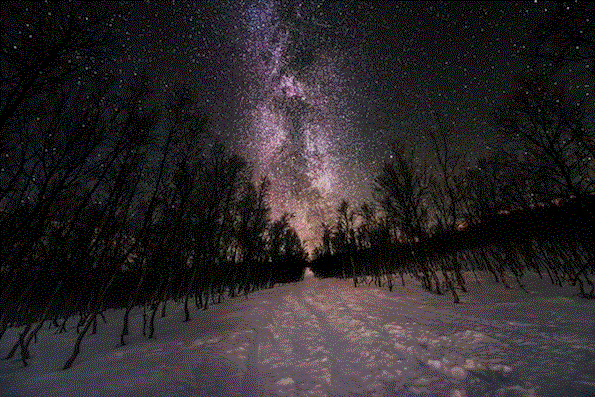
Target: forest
525, 206
113, 195
116, 194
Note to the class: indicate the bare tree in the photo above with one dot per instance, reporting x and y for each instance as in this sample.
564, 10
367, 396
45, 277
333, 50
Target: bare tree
568, 36
446, 179
251, 224
545, 127
446, 190
45, 45
402, 189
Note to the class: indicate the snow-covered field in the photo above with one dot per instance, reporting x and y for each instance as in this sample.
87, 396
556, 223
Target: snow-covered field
325, 338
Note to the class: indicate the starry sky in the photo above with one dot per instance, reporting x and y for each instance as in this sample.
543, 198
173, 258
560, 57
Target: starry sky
311, 93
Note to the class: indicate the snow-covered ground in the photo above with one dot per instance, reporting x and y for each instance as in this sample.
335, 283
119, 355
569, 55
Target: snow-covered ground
325, 338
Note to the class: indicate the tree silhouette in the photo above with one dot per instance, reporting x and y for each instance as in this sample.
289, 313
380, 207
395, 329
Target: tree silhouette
402, 189
568, 37
545, 126
46, 45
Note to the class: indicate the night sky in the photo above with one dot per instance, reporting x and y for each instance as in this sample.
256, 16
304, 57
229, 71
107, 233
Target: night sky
311, 94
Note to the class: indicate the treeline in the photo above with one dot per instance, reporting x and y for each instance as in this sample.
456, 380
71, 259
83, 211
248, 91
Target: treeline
527, 205
114, 193
553, 240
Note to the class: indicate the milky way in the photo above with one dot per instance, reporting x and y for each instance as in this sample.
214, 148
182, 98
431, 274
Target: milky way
312, 92
295, 123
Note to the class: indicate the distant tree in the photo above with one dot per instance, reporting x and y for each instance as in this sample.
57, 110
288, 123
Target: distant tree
345, 234
481, 189
368, 224
496, 182
446, 179
401, 190
345, 226
286, 255
276, 236
326, 248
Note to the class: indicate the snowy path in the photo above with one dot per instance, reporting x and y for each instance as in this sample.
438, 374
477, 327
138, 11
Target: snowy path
324, 338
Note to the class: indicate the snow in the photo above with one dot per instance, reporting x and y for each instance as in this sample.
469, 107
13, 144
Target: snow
325, 338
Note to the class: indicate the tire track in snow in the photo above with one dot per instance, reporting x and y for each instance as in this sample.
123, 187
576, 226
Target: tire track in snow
252, 381
407, 359
284, 356
321, 338
304, 371
346, 361
378, 365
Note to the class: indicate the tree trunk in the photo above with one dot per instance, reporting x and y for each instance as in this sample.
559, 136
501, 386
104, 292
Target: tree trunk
88, 322
43, 317
187, 297
6, 314
130, 305
19, 342
152, 320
